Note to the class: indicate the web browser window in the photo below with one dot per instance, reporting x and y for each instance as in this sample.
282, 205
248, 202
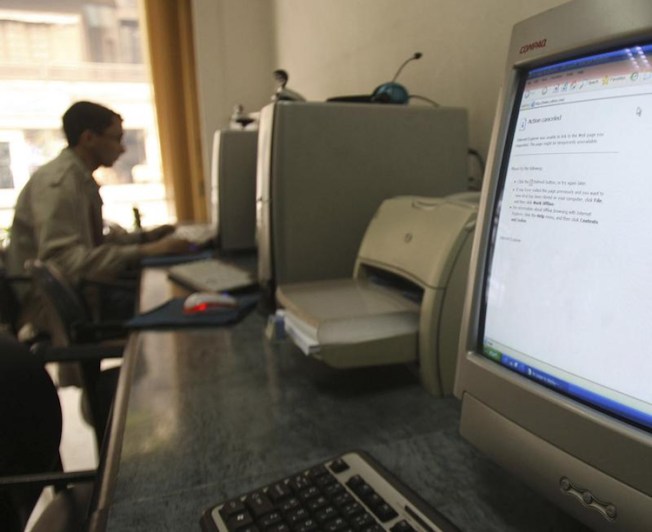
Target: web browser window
567, 297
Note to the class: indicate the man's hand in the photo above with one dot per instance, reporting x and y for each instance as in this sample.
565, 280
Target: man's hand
166, 246
157, 233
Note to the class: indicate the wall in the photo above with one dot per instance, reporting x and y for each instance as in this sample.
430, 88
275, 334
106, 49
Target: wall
352, 46
339, 47
234, 51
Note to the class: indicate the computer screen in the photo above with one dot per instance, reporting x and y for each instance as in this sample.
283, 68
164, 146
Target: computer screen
570, 270
555, 355
232, 199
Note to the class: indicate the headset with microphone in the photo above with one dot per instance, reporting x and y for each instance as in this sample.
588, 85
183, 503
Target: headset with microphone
392, 92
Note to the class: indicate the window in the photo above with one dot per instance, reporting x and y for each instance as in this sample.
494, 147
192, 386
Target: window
54, 53
6, 177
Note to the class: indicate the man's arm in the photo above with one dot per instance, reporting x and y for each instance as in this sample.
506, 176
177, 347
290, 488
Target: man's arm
62, 225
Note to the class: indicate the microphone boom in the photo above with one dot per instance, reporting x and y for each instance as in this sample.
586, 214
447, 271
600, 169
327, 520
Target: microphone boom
417, 55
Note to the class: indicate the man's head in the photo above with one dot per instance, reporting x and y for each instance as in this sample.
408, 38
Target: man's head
94, 132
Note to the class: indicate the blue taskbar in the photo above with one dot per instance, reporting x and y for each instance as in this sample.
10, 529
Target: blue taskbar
585, 396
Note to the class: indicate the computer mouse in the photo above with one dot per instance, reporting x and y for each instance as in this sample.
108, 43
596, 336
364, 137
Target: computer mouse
203, 302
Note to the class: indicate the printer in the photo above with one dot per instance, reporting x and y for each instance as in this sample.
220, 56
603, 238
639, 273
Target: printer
404, 301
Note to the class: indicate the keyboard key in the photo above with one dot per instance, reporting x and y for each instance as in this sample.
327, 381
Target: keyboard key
343, 498
232, 507
361, 489
384, 512
278, 491
281, 527
270, 519
290, 504
309, 493
339, 465
250, 528
258, 503
307, 526
373, 528
333, 490
335, 525
371, 498
317, 471
239, 521
355, 482
352, 509
362, 521
297, 516
402, 526
317, 503
325, 480
326, 514
299, 483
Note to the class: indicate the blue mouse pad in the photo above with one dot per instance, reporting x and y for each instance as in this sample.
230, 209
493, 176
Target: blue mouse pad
171, 260
170, 315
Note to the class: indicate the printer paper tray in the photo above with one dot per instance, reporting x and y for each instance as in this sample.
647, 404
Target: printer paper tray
351, 323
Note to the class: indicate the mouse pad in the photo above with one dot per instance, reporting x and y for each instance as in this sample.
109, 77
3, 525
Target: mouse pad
170, 315
171, 260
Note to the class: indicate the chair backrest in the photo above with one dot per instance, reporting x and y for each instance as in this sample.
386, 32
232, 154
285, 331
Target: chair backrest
30, 428
9, 301
9, 305
68, 311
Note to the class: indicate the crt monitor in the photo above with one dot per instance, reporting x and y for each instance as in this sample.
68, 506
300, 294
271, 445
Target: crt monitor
555, 364
233, 188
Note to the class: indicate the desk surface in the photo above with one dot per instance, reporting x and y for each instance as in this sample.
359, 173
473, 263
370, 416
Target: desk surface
207, 414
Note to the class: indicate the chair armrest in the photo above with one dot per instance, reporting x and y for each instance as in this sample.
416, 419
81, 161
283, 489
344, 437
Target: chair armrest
76, 353
27, 279
98, 331
116, 284
42, 480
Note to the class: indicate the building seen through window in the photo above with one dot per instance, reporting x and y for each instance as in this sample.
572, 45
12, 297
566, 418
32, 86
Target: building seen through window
55, 52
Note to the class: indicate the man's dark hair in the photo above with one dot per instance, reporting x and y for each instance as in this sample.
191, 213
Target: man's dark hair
81, 116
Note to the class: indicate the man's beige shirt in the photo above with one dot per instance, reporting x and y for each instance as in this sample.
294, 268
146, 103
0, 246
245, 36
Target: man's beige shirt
58, 218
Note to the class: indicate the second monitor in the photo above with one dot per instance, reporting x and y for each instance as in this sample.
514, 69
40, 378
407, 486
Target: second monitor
232, 202
325, 168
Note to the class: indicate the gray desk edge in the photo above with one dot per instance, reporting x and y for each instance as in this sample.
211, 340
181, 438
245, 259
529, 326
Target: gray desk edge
107, 482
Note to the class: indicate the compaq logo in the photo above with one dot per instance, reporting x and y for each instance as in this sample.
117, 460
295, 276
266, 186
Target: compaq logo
532, 46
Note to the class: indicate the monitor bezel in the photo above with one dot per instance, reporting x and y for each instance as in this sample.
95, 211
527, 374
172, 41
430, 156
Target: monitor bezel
572, 430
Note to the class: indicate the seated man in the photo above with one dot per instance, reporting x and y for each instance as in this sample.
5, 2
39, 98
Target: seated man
58, 214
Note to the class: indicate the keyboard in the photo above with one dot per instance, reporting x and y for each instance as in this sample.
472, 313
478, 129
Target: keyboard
350, 493
199, 234
211, 275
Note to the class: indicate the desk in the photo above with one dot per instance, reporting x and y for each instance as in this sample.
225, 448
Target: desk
206, 414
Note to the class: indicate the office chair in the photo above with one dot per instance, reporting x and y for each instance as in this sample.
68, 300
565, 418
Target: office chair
31, 421
73, 321
75, 337
9, 305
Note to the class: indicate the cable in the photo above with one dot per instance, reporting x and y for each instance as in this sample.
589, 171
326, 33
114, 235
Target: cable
416, 55
417, 97
475, 153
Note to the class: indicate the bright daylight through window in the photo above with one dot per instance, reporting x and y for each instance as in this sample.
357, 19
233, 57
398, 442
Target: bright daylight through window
53, 53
